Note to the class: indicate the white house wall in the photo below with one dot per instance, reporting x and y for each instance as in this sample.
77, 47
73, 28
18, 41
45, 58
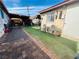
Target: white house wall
49, 22
1, 27
2, 22
71, 26
46, 22
43, 21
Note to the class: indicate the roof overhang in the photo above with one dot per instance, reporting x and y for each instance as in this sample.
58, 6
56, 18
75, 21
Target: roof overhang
57, 6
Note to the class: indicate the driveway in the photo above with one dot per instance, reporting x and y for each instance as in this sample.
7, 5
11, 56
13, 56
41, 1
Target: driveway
17, 45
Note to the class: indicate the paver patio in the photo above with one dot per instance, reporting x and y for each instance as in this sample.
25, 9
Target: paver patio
17, 45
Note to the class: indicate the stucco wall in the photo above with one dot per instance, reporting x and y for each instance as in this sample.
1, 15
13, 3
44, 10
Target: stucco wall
46, 22
59, 23
43, 21
71, 26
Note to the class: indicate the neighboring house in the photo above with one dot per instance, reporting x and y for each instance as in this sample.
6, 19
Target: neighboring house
62, 19
4, 18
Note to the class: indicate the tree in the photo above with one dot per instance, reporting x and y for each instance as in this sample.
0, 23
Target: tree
39, 18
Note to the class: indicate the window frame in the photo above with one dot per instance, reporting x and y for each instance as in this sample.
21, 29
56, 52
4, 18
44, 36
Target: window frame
56, 15
60, 14
51, 16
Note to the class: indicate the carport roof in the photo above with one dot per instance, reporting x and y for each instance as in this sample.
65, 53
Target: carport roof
17, 16
3, 7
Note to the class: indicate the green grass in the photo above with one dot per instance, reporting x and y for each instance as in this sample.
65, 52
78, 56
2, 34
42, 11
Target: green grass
62, 47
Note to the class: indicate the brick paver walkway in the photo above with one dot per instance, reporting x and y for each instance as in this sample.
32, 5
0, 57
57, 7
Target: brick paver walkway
17, 45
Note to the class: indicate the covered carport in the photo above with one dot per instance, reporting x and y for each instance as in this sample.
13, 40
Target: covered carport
17, 19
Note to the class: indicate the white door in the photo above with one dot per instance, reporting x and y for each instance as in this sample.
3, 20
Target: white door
71, 27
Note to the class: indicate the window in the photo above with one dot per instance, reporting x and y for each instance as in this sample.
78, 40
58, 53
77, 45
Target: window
60, 15
50, 16
56, 15
1, 14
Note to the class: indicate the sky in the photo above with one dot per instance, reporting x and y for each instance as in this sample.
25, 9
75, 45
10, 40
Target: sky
34, 6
